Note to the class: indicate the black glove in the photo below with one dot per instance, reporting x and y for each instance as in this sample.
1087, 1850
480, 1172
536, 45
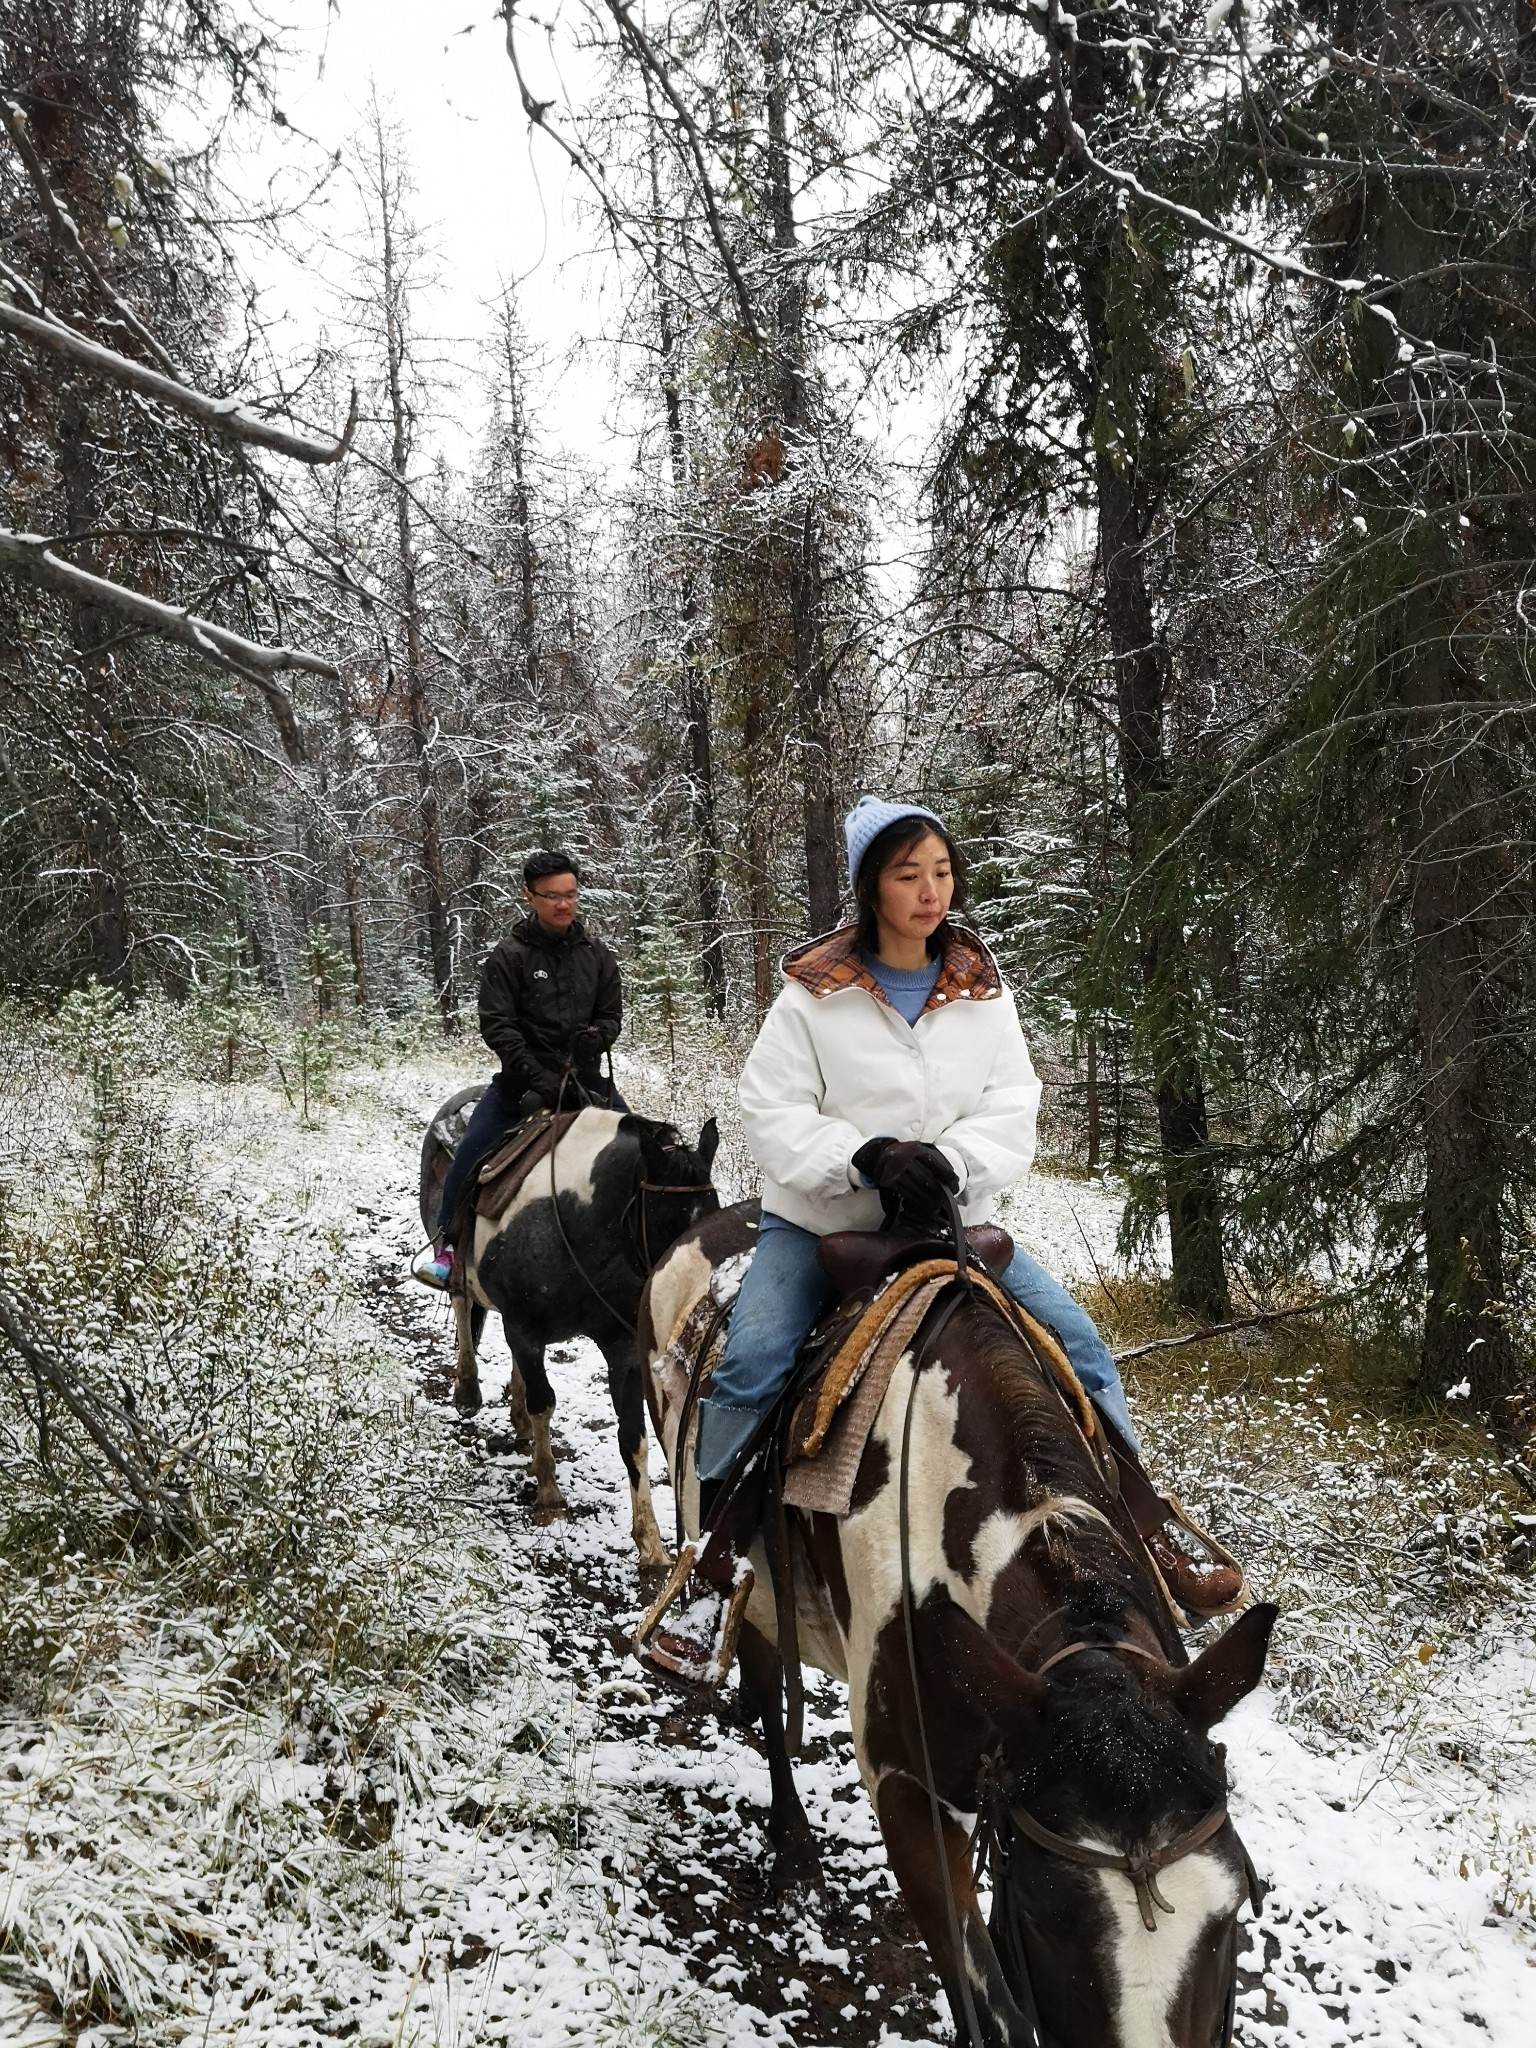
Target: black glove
912, 1175
544, 1093
588, 1047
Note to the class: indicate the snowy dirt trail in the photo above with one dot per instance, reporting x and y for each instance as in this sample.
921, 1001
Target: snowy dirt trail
1369, 1935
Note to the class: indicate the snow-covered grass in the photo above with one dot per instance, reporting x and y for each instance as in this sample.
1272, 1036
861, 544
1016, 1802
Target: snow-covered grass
248, 1785
370, 1764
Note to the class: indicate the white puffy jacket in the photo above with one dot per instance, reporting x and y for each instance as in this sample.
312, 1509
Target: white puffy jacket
836, 1064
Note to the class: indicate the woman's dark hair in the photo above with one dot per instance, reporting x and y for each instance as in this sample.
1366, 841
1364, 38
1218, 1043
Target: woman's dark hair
538, 867
888, 846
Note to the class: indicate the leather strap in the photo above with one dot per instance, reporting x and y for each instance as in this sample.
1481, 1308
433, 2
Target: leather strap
1140, 1866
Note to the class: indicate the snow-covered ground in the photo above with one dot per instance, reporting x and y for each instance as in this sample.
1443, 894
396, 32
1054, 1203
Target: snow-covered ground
580, 1859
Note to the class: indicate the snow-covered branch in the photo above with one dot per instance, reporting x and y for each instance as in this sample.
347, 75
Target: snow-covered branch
65, 231
220, 415
29, 555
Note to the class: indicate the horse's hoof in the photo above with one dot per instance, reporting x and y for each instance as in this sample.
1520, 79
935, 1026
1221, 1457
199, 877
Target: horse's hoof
547, 1511
656, 1560
468, 1404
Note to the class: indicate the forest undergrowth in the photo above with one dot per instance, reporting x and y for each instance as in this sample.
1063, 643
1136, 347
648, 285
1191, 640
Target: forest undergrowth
215, 1728
1399, 1541
285, 1668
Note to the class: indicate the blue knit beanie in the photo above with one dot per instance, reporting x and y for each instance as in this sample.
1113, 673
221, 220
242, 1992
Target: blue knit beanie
868, 819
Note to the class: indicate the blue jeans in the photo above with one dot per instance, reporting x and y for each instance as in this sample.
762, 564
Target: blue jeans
495, 1115
784, 1290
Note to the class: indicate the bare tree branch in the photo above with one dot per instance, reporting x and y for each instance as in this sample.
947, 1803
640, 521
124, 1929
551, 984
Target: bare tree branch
220, 415
65, 230
537, 111
118, 1435
29, 555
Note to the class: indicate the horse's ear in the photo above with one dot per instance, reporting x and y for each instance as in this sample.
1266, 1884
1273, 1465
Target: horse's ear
978, 1669
709, 1144
1229, 1670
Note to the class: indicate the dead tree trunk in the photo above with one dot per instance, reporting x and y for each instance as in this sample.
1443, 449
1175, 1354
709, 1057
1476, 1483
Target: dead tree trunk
419, 719
806, 579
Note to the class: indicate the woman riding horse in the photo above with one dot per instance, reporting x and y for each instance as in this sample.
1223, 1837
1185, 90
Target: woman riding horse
892, 1070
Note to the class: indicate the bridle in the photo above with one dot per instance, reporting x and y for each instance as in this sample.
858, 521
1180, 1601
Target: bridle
636, 1202
1142, 1867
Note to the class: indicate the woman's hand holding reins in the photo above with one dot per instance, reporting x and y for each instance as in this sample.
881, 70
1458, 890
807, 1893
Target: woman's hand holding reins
912, 1175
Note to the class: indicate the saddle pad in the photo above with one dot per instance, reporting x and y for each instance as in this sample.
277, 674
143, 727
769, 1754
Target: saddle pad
511, 1163
822, 1481
847, 1402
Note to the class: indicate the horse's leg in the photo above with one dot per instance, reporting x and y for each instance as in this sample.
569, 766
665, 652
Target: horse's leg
796, 1859
624, 1389
468, 1321
517, 1405
549, 1503
906, 1822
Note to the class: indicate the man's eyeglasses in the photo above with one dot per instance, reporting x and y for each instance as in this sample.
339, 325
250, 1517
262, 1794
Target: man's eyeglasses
555, 895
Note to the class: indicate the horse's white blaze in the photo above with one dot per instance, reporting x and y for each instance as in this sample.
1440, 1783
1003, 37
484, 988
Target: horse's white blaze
1149, 1968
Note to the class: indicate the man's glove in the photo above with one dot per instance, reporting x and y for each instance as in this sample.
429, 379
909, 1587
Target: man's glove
912, 1175
544, 1093
588, 1047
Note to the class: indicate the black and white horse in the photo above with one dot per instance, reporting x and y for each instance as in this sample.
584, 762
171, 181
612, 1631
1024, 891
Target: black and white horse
567, 1257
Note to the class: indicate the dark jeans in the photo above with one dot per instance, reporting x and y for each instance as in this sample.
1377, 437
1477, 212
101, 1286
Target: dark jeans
496, 1113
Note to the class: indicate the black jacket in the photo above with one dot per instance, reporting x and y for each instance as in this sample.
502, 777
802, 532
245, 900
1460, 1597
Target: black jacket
537, 992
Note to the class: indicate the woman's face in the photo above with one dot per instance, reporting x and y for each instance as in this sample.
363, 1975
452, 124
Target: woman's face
916, 889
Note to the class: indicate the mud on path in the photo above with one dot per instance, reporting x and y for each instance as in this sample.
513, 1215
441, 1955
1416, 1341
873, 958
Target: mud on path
842, 1966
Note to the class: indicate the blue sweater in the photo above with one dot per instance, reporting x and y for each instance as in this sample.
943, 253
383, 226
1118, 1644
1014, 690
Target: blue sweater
907, 988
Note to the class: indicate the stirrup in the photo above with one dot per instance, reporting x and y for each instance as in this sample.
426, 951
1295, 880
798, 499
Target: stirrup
1243, 1598
424, 1269
715, 1666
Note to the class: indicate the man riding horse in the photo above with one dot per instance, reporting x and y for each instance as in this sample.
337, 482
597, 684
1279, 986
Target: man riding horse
890, 1072
551, 1004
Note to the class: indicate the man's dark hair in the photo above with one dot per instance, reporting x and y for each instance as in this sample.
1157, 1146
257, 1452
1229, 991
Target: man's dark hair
898, 838
538, 867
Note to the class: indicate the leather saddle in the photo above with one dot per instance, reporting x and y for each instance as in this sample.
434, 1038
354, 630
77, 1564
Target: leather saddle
859, 1261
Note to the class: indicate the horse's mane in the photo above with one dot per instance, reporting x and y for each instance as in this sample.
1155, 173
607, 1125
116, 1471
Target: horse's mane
1112, 1582
1100, 1731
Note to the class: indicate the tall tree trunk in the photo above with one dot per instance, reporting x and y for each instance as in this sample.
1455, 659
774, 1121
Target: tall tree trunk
1445, 820
1451, 820
1191, 1190
104, 855
807, 606
757, 850
709, 892
528, 608
420, 721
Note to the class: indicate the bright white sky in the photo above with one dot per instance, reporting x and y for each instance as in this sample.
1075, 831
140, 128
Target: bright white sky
498, 203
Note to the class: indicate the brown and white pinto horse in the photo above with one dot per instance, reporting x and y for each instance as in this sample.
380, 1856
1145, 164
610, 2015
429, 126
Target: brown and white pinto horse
1014, 1680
